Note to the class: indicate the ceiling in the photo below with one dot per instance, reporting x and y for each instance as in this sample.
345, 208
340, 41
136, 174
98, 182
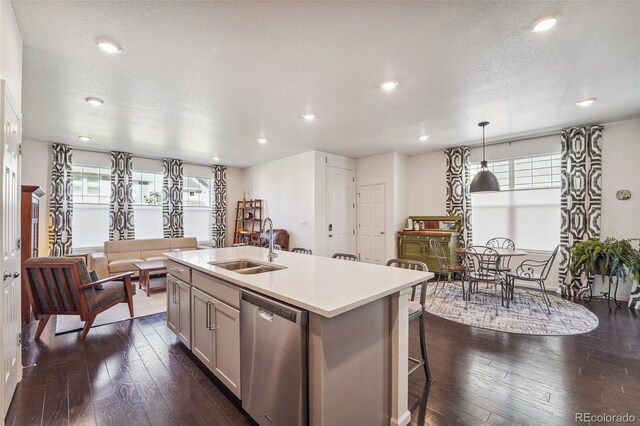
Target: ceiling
202, 79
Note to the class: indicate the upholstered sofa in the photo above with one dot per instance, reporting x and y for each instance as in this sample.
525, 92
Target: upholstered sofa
119, 256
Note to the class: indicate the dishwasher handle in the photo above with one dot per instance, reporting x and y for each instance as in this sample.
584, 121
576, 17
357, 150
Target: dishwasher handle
269, 309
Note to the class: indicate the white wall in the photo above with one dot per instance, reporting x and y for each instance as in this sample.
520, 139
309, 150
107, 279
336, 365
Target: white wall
620, 154
36, 166
427, 184
288, 187
403, 190
11, 52
234, 193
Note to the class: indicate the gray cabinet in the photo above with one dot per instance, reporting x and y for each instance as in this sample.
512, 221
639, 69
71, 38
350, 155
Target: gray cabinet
178, 308
216, 337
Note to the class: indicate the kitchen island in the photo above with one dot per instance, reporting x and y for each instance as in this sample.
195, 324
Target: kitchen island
357, 325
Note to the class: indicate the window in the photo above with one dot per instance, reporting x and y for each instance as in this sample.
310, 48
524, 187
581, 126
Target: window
91, 193
91, 196
147, 208
196, 198
527, 209
91, 185
147, 188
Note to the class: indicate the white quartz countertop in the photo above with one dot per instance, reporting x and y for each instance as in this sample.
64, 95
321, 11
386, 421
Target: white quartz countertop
322, 285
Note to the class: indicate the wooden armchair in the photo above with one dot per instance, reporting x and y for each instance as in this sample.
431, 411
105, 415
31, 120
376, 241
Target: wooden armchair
62, 286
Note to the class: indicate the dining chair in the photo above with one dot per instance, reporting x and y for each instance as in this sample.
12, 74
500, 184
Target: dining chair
481, 264
301, 250
439, 250
533, 271
346, 256
416, 311
63, 286
502, 243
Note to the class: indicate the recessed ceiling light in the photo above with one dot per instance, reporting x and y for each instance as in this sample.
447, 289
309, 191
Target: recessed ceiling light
216, 158
423, 138
94, 101
586, 102
262, 140
543, 24
84, 138
309, 117
389, 85
108, 45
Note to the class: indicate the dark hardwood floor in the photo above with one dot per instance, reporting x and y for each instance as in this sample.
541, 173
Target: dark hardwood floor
135, 372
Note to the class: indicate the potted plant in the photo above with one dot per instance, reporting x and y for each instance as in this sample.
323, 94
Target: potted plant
612, 259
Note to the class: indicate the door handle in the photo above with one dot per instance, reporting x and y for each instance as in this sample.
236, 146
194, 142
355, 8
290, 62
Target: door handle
208, 316
381, 232
330, 235
175, 293
16, 274
6, 276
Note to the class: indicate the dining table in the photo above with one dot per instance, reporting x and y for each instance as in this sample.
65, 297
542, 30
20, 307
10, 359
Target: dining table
502, 252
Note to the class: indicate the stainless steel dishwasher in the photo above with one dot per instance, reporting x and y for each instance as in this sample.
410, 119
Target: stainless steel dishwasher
273, 356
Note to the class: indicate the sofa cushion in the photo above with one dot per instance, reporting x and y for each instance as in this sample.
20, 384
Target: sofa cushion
123, 265
154, 258
153, 253
123, 255
188, 243
121, 246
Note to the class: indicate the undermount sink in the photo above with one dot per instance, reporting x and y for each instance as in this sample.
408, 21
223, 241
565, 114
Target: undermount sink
247, 267
236, 264
258, 270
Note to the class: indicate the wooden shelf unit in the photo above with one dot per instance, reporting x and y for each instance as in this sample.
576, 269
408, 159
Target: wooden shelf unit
249, 219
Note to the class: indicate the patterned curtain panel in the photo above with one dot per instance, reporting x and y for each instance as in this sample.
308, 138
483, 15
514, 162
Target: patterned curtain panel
61, 201
121, 202
580, 197
458, 196
219, 206
172, 185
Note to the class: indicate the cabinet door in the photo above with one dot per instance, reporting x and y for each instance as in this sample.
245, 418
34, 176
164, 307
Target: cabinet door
202, 327
412, 249
226, 346
184, 314
173, 307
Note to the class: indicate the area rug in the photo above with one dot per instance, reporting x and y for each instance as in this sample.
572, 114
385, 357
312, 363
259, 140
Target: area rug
527, 313
142, 306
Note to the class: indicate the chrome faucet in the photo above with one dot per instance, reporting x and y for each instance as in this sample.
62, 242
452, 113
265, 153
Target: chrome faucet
272, 254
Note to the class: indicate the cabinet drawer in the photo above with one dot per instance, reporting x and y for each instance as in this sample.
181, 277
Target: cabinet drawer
219, 289
179, 271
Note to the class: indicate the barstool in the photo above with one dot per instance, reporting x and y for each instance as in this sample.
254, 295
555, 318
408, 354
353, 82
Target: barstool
416, 311
301, 250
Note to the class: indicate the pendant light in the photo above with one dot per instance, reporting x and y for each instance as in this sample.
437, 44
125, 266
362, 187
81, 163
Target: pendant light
484, 180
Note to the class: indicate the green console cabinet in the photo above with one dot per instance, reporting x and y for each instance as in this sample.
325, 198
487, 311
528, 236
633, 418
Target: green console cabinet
415, 245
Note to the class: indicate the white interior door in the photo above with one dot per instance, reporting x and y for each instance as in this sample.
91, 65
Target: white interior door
341, 211
11, 358
371, 232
